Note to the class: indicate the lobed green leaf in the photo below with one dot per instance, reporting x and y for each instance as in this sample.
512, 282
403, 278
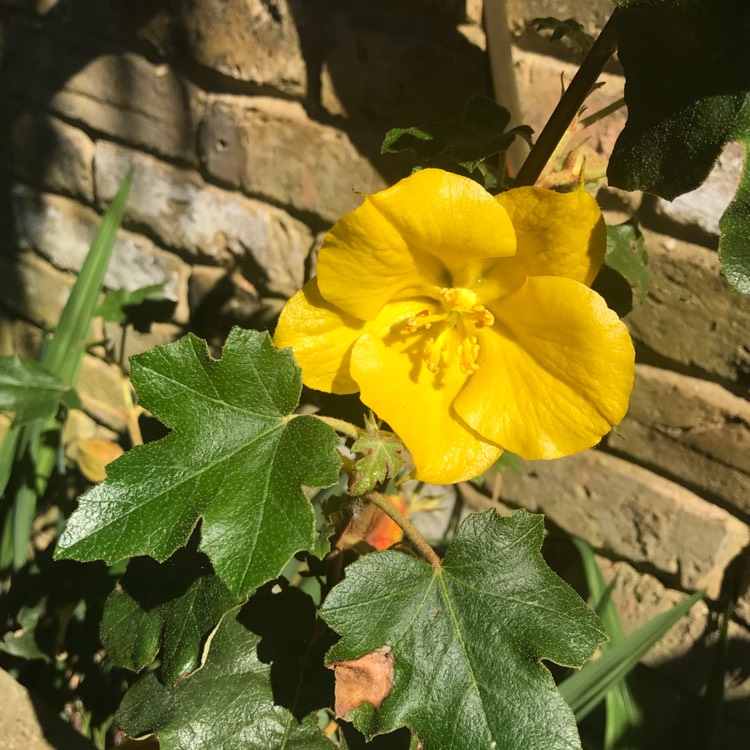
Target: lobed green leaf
236, 459
688, 95
139, 307
227, 704
467, 639
168, 609
379, 456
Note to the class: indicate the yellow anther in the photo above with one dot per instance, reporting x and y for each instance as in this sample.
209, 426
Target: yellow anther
458, 298
422, 319
436, 349
467, 354
459, 306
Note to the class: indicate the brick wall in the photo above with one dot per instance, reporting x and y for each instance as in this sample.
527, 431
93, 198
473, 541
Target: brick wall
251, 124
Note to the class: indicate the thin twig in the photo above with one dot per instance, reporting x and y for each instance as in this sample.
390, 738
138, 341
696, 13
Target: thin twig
123, 341
345, 428
424, 549
568, 106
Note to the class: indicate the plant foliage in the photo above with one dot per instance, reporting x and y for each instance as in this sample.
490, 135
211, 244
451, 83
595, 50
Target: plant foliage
236, 460
688, 95
226, 705
468, 638
477, 134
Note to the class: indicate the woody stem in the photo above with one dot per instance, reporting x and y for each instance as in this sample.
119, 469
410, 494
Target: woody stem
419, 542
569, 104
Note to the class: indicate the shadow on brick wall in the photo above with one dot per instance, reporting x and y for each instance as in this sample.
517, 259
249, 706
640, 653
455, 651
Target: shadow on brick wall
135, 72
62, 84
674, 695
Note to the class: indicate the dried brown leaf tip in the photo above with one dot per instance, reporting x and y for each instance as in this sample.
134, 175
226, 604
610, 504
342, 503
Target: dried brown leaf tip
367, 679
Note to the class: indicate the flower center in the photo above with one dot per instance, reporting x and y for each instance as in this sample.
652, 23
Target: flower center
459, 309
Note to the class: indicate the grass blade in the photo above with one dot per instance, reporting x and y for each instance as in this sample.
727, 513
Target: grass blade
585, 689
624, 717
63, 357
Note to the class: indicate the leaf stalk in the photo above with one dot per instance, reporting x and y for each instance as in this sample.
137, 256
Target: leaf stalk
340, 425
411, 533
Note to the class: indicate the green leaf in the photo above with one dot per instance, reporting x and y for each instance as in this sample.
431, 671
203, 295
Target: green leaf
688, 80
31, 391
569, 28
509, 460
226, 705
326, 507
169, 608
23, 642
734, 246
468, 638
626, 254
688, 94
236, 460
121, 305
293, 642
585, 689
381, 455
478, 133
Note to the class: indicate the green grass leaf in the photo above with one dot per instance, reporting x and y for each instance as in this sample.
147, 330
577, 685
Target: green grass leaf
62, 356
624, 717
236, 459
467, 639
226, 705
30, 391
585, 689
168, 609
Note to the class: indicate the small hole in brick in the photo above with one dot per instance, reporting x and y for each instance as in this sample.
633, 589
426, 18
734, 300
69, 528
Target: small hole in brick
221, 144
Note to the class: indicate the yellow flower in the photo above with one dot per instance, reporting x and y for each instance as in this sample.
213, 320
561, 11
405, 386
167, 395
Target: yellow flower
466, 322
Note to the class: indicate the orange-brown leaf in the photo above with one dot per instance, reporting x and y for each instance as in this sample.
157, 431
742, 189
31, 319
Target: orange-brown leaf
367, 679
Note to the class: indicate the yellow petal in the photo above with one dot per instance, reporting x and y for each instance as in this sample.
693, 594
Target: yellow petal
321, 338
558, 234
417, 235
395, 382
555, 372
